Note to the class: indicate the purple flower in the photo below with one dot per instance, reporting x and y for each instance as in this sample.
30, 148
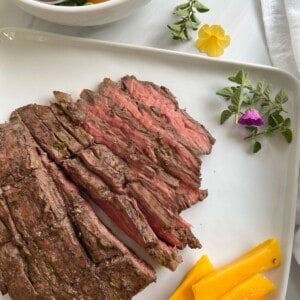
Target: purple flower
251, 118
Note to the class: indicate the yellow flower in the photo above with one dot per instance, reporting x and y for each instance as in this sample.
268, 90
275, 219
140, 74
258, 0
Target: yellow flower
212, 40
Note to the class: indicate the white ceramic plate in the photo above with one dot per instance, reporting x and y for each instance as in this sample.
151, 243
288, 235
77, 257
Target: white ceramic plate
251, 197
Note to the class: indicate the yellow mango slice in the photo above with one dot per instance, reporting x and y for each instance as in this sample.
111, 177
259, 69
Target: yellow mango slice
202, 267
257, 287
263, 257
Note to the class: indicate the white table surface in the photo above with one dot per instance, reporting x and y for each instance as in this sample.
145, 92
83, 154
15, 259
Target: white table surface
241, 19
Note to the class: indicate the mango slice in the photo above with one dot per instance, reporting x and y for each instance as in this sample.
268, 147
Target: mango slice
263, 257
257, 287
202, 267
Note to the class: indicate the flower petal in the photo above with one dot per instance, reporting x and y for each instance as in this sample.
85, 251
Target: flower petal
204, 31
225, 41
217, 30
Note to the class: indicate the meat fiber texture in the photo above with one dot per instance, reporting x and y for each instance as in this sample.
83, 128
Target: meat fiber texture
129, 148
52, 244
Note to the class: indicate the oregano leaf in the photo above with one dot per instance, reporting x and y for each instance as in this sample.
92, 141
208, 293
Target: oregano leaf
256, 146
225, 115
226, 92
287, 134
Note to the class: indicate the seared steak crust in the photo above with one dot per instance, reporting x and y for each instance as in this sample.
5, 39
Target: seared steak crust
41, 221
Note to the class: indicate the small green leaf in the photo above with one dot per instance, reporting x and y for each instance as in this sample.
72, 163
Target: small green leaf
256, 147
182, 6
225, 115
265, 109
191, 24
226, 92
260, 86
235, 99
200, 7
239, 78
287, 134
287, 122
195, 19
281, 97
232, 108
275, 119
175, 27
182, 12
268, 91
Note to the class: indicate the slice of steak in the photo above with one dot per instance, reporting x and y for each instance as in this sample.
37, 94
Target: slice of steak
167, 225
45, 114
123, 211
12, 141
161, 100
75, 130
115, 263
124, 125
150, 120
14, 279
46, 139
108, 166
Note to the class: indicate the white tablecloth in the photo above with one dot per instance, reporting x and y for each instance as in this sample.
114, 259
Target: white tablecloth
241, 19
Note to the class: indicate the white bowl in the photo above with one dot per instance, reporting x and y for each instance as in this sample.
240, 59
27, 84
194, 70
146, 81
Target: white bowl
88, 15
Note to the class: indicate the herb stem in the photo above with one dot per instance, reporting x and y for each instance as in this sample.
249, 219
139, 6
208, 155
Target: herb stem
261, 132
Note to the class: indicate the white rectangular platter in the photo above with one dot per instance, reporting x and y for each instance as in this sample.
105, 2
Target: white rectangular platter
252, 197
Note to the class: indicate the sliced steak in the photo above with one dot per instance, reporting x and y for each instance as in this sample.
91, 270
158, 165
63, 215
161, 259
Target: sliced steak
44, 247
164, 103
165, 223
115, 263
150, 120
123, 124
123, 210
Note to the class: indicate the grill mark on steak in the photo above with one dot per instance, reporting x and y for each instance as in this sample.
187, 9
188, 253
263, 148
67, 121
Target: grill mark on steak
163, 102
57, 264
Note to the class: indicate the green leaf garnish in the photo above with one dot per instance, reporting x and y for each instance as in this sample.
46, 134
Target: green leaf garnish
256, 146
188, 20
254, 107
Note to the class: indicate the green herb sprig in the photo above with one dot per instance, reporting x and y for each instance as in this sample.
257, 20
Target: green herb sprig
244, 97
188, 19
